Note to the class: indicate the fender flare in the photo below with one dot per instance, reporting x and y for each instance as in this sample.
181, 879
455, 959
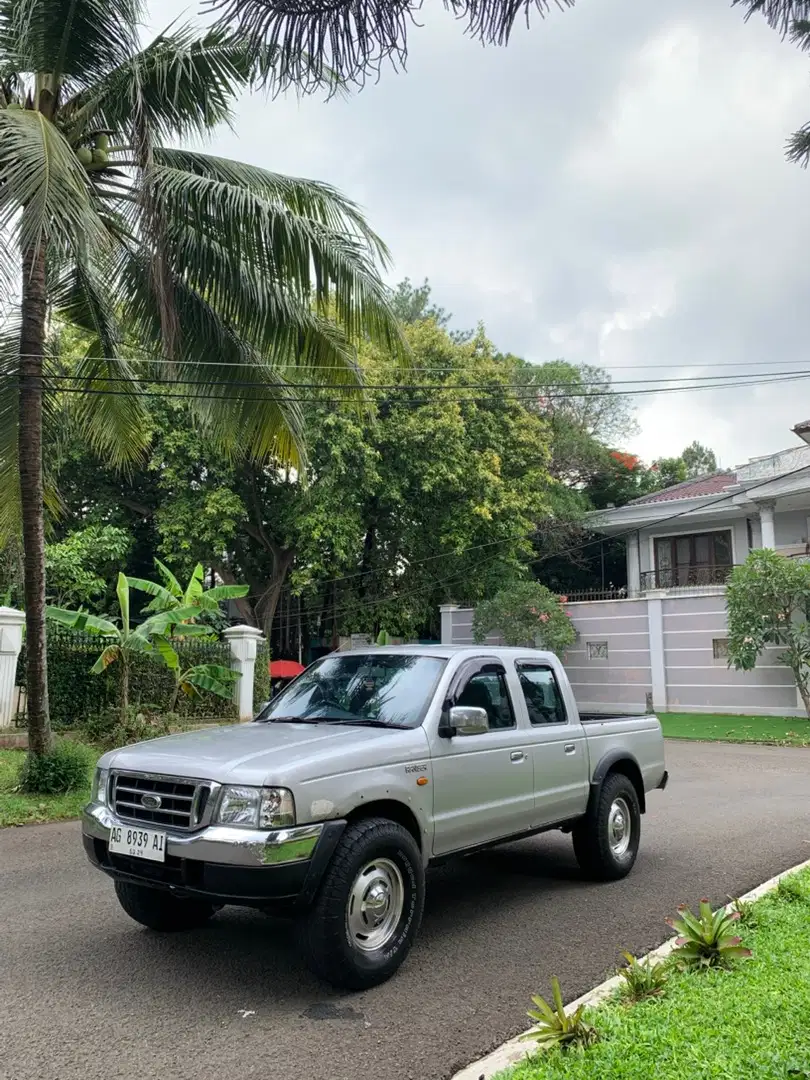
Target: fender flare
632, 770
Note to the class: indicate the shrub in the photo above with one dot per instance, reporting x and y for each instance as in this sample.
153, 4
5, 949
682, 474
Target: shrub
706, 940
261, 676
554, 1027
525, 613
642, 978
109, 729
64, 769
746, 909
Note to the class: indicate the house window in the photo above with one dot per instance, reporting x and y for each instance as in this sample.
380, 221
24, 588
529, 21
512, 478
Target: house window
692, 559
720, 648
597, 650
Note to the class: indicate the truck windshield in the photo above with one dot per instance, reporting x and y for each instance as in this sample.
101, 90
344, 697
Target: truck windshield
356, 688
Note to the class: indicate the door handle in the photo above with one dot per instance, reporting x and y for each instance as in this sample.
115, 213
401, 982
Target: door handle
517, 755
570, 748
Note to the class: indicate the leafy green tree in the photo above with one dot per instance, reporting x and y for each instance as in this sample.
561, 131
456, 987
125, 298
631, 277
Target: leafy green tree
111, 229
699, 460
768, 600
122, 643
526, 613
79, 566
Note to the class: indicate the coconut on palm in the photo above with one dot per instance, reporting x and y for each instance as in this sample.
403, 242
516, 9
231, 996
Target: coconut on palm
103, 142
100, 157
85, 156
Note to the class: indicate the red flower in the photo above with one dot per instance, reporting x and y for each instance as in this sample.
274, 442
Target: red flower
563, 599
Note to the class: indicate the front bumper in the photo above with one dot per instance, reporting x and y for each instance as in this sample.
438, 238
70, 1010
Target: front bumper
222, 862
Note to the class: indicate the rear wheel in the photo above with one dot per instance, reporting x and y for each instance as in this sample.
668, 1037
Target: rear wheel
160, 910
606, 840
369, 906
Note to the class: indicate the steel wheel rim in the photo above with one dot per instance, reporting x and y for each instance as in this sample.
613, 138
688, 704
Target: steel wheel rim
620, 827
376, 903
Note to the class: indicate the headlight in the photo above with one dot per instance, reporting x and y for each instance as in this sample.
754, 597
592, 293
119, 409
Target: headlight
260, 808
100, 780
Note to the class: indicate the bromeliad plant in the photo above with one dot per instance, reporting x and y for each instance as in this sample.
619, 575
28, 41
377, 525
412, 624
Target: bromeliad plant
708, 939
642, 978
555, 1028
122, 643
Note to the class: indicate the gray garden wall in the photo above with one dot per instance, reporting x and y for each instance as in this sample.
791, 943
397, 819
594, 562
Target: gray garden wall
658, 652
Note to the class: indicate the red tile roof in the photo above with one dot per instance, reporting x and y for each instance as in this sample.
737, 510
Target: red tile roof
691, 489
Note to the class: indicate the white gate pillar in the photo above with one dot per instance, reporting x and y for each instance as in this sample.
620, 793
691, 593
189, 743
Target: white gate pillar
11, 627
243, 641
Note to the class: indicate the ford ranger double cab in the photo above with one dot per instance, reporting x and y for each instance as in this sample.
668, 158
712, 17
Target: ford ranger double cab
368, 768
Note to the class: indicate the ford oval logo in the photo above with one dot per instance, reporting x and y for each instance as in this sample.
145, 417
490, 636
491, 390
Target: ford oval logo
151, 802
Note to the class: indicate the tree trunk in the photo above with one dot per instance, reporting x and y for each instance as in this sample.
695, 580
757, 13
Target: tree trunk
32, 348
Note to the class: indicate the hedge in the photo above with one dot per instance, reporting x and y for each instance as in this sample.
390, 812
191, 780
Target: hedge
75, 693
261, 677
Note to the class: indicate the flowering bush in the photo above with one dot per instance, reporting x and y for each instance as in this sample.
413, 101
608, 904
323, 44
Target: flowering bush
768, 599
524, 614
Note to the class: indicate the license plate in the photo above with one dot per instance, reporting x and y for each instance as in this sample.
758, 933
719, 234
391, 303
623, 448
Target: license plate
138, 843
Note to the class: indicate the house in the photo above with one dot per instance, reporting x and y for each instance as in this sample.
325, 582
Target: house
663, 644
691, 535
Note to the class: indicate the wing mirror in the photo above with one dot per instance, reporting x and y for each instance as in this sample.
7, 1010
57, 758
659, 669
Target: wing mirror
468, 720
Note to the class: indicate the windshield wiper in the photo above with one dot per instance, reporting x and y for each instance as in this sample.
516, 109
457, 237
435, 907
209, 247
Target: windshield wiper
362, 721
290, 720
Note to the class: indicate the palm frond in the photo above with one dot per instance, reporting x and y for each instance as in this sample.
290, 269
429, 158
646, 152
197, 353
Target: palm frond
104, 386
43, 188
780, 14
78, 38
355, 37
798, 147
258, 419
183, 84
305, 236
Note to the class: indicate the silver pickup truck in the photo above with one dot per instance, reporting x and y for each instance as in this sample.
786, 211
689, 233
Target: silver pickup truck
370, 767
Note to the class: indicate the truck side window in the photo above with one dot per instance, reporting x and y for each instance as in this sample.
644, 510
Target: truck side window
487, 690
541, 694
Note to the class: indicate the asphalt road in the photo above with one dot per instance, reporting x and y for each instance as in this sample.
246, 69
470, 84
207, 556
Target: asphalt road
86, 993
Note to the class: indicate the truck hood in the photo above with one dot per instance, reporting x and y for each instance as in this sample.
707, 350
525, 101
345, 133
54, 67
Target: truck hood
270, 754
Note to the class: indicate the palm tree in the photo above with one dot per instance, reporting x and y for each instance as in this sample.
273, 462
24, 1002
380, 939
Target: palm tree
222, 279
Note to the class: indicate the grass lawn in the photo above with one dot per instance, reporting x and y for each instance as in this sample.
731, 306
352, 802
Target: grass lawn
16, 809
717, 727
750, 1022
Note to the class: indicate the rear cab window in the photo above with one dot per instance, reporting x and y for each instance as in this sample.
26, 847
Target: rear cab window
541, 693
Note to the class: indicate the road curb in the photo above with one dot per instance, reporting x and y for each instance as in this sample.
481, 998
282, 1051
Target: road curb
512, 1052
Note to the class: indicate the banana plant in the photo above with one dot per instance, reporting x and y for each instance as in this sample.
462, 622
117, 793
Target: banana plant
214, 678
122, 643
172, 595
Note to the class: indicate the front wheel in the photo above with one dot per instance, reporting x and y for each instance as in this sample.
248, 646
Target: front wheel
160, 910
606, 840
369, 906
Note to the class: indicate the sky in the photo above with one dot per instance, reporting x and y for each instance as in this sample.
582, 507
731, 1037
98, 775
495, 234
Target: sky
610, 188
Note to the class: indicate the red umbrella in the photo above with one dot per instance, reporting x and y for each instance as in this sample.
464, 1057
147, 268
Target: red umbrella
285, 669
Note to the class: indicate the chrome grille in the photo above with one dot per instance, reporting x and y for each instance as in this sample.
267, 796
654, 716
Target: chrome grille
182, 803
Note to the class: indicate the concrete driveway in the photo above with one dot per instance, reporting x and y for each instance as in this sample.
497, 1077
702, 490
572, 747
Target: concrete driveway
85, 993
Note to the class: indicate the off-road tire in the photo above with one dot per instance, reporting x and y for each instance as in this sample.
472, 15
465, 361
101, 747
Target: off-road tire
328, 948
592, 834
159, 910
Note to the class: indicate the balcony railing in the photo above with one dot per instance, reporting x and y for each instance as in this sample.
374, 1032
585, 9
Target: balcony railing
685, 577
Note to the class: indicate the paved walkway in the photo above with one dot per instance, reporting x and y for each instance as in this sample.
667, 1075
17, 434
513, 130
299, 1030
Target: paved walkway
85, 994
